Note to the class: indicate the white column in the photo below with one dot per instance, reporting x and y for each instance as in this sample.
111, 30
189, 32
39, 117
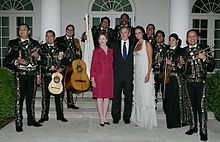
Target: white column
180, 18
50, 17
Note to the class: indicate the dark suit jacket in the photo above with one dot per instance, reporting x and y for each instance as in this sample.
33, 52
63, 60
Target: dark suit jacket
123, 69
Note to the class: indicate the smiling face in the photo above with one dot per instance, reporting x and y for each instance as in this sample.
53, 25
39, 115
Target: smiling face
24, 32
125, 34
150, 30
102, 40
105, 24
173, 42
139, 34
192, 38
50, 37
159, 38
70, 31
124, 20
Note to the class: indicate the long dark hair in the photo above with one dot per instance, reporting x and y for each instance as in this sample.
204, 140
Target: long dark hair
174, 35
142, 29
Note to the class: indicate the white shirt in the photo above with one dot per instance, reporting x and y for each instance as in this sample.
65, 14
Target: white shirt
193, 46
68, 37
173, 47
127, 46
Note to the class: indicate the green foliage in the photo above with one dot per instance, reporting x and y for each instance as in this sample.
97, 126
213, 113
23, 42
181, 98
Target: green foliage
214, 93
6, 94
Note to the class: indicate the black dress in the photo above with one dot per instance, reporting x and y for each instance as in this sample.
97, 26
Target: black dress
176, 101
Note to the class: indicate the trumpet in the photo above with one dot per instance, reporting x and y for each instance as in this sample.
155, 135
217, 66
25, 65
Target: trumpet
208, 50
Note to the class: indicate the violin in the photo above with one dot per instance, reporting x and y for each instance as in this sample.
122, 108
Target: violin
164, 76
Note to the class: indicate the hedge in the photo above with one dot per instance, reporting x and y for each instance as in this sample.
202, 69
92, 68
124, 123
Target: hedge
6, 94
213, 90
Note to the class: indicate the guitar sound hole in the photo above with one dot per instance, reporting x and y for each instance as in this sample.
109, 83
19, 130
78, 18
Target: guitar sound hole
79, 68
56, 79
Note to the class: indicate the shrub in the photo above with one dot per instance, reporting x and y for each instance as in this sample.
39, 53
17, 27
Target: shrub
213, 91
6, 94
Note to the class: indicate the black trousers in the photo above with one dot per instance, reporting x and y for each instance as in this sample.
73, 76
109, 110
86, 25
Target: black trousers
127, 87
24, 87
171, 103
46, 99
197, 92
70, 99
157, 85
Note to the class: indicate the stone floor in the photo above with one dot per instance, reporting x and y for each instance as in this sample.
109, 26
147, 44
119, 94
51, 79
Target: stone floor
83, 126
88, 130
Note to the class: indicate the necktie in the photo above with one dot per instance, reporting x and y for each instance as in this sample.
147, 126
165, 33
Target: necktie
124, 51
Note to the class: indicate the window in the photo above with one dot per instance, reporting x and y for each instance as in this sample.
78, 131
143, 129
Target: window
201, 25
206, 6
16, 4
217, 43
111, 9
114, 5
206, 19
26, 20
4, 36
13, 13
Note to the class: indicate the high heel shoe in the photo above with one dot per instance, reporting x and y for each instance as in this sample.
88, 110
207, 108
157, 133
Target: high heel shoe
107, 123
102, 124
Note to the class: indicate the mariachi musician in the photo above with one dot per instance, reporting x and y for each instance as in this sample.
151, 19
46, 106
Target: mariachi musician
51, 62
71, 48
197, 61
22, 57
176, 102
104, 26
158, 57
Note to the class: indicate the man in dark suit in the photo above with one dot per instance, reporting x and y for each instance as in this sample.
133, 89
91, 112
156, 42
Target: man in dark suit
123, 76
197, 62
71, 48
22, 56
51, 62
104, 26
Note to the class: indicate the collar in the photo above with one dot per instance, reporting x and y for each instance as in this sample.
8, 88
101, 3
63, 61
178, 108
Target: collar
68, 37
122, 41
22, 40
193, 46
50, 44
173, 47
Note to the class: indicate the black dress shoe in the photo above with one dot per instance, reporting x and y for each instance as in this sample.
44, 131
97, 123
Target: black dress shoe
43, 119
107, 123
35, 124
102, 124
115, 121
203, 137
19, 129
62, 119
127, 121
191, 131
72, 106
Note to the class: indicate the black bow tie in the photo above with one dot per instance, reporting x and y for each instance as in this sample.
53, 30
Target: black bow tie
24, 43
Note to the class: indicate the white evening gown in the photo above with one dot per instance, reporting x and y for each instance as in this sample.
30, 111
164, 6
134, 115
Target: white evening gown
143, 111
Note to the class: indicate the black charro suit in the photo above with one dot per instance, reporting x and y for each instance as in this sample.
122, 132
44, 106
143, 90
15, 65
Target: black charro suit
123, 81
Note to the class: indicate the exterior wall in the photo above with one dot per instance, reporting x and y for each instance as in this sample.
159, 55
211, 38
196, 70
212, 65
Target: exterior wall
37, 19
155, 11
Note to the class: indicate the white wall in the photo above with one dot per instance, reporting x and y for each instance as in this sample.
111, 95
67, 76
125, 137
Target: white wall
36, 33
147, 11
73, 11
155, 12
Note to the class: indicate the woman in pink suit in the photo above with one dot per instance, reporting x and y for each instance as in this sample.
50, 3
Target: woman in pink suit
102, 76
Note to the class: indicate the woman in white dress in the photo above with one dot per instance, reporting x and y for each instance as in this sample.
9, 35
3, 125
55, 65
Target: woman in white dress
143, 113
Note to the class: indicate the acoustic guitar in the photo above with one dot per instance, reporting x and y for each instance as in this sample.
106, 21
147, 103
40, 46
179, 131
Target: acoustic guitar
55, 86
76, 79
